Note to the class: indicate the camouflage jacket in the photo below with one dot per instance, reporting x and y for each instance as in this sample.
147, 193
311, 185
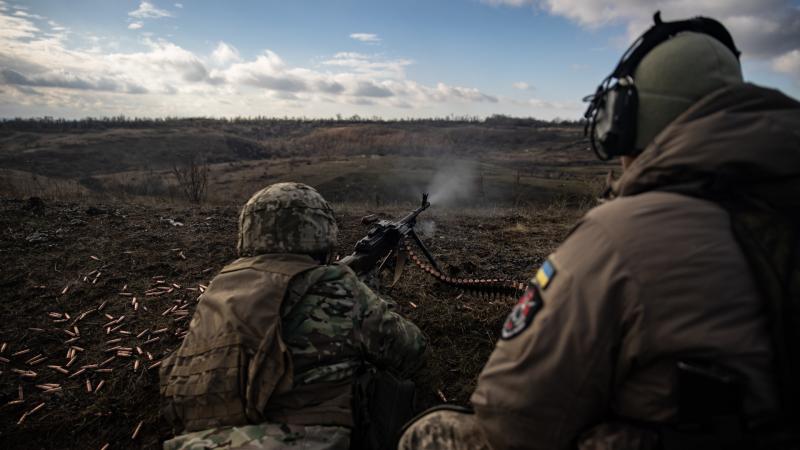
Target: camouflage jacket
339, 324
333, 324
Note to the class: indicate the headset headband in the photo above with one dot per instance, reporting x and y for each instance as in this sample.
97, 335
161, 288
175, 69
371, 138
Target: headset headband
662, 31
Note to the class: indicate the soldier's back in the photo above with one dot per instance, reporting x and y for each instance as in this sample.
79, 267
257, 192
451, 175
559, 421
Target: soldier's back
693, 297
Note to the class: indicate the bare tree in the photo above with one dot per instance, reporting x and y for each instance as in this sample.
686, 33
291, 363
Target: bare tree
192, 176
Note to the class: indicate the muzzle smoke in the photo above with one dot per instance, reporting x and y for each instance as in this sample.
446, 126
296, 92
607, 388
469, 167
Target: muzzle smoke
426, 228
454, 183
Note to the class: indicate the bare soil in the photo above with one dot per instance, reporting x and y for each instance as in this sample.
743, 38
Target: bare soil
63, 261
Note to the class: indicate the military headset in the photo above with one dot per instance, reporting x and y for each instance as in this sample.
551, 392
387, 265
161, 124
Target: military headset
611, 115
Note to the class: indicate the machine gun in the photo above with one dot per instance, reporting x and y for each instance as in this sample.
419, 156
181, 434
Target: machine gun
384, 238
387, 238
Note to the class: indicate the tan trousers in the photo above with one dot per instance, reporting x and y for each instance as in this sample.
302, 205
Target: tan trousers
444, 430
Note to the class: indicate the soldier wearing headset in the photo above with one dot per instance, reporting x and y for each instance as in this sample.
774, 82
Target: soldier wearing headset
665, 320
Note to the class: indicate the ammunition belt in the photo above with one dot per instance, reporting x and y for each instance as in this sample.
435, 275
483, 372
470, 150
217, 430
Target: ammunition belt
479, 286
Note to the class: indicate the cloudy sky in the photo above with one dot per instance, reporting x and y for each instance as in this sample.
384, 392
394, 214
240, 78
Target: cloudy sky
319, 58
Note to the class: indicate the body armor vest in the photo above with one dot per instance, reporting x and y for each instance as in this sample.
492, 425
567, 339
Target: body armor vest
233, 360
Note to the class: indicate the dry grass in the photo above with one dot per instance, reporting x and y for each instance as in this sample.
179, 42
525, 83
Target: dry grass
106, 216
129, 245
17, 184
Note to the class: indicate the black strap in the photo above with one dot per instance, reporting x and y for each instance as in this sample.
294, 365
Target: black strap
382, 404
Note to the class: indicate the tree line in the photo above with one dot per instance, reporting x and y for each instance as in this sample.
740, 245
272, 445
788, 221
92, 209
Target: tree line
55, 124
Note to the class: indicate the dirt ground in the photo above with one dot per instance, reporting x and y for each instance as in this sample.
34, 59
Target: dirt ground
93, 296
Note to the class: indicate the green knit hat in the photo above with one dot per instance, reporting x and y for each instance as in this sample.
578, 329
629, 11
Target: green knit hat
675, 75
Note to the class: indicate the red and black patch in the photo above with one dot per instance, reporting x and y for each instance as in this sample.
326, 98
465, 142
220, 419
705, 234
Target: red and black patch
522, 315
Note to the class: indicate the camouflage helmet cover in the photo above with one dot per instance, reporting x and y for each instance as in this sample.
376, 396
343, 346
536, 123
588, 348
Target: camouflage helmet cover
286, 218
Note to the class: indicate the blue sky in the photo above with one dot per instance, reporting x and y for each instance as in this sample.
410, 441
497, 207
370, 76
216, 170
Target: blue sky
321, 58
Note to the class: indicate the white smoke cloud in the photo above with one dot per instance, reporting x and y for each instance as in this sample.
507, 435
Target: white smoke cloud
426, 228
455, 182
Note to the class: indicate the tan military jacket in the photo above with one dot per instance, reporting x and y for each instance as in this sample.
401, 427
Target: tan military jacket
647, 279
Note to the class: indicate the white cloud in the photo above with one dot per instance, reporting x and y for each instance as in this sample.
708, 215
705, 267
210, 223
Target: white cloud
164, 63
21, 13
135, 25
179, 5
367, 88
147, 10
12, 27
68, 80
45, 73
167, 69
369, 64
509, 2
365, 37
225, 54
764, 29
267, 71
521, 85
789, 63
444, 92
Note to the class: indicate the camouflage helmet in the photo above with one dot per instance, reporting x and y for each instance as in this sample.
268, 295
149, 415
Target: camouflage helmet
286, 218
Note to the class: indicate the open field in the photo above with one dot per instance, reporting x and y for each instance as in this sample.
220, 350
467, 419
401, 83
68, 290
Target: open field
97, 264
374, 162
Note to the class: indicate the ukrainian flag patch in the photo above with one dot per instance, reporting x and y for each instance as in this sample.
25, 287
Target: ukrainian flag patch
545, 274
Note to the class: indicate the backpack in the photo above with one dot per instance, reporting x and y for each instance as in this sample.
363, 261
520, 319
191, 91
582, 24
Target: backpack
770, 241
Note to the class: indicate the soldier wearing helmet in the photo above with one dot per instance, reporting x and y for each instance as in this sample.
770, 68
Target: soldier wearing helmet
280, 335
668, 319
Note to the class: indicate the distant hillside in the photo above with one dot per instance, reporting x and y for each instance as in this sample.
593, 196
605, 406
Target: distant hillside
75, 149
500, 161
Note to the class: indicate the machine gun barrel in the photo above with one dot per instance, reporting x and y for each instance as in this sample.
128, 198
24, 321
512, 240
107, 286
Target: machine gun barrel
410, 220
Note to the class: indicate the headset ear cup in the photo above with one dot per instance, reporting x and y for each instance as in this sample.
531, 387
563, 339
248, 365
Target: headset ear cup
614, 127
628, 122
603, 135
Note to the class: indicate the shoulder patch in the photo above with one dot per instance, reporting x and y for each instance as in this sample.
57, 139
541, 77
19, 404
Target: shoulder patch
545, 273
522, 315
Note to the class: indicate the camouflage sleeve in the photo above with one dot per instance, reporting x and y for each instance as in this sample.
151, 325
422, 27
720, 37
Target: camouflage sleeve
388, 340
344, 305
